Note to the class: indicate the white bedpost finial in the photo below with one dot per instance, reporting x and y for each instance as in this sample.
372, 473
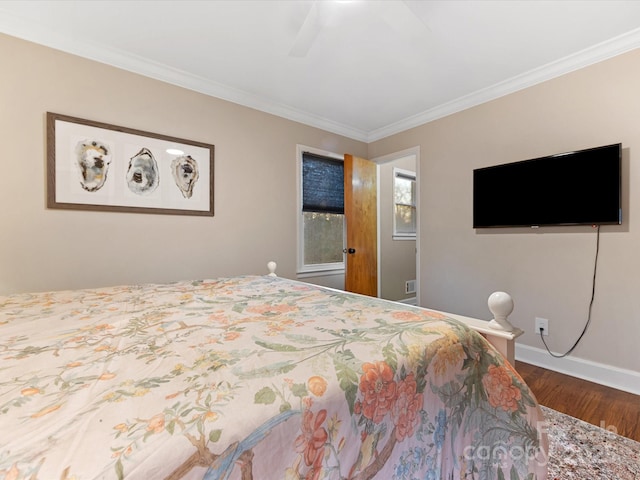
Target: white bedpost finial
501, 305
272, 268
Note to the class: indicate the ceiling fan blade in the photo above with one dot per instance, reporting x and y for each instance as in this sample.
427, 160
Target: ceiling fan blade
307, 33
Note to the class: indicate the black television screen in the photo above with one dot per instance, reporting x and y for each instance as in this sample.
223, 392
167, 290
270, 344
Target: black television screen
574, 188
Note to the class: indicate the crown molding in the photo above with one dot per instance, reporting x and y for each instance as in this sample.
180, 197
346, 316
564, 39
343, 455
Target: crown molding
603, 51
16, 26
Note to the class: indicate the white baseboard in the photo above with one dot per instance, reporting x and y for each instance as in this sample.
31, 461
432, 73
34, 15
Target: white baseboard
614, 377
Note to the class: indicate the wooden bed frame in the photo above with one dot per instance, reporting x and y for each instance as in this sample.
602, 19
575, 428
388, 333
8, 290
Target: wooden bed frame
498, 332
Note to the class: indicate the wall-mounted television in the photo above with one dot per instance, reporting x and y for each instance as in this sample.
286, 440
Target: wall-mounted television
573, 188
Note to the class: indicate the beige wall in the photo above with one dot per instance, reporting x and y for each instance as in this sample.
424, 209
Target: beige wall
547, 271
255, 184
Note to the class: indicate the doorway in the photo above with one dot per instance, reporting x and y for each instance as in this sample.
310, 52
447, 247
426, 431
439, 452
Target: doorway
398, 251
335, 277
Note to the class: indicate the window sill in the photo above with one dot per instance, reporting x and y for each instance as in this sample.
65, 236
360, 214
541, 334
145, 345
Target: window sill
320, 273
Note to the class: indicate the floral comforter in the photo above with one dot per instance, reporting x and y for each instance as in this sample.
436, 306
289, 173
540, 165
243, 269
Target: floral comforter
254, 378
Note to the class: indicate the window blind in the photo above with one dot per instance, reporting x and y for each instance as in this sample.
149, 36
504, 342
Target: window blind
322, 184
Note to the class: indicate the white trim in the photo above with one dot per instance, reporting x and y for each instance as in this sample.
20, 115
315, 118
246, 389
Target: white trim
320, 273
407, 175
614, 377
12, 24
390, 157
301, 268
411, 237
605, 50
378, 226
321, 268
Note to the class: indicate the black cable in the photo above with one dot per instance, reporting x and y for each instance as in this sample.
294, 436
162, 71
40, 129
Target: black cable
593, 294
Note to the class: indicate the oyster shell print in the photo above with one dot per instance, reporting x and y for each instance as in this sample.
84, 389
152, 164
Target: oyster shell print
185, 173
142, 175
93, 159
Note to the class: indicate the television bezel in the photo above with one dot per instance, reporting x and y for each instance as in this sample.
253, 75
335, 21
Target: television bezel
570, 154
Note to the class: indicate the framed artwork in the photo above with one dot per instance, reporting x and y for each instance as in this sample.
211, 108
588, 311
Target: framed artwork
98, 166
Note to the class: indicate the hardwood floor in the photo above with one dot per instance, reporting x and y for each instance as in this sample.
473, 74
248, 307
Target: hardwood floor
606, 407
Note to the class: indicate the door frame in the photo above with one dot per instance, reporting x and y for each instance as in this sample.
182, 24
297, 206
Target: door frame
415, 151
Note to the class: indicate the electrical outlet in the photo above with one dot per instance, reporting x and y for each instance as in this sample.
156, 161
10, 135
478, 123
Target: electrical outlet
542, 323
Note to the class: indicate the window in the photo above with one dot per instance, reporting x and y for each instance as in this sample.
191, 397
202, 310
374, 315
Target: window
404, 204
322, 212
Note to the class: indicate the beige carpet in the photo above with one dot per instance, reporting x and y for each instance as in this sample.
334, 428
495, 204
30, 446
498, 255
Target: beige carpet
581, 451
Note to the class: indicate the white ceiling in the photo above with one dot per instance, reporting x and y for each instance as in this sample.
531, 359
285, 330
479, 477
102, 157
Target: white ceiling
364, 69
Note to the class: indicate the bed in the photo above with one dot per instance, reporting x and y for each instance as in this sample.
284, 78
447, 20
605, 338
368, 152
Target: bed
254, 377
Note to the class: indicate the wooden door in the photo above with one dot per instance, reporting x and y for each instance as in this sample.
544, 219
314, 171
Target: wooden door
361, 218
